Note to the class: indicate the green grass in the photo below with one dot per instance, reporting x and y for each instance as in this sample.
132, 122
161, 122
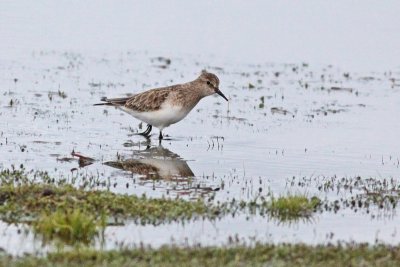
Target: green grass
58, 210
28, 202
292, 207
258, 255
76, 215
71, 227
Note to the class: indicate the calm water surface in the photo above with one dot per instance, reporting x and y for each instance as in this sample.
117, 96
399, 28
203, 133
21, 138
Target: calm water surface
282, 122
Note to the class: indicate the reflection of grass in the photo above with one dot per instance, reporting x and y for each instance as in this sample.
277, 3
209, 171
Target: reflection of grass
258, 255
70, 226
292, 207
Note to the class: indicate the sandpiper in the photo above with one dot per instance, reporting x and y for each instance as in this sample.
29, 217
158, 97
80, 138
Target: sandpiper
161, 107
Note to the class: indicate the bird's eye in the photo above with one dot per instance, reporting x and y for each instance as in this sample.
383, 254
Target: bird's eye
208, 82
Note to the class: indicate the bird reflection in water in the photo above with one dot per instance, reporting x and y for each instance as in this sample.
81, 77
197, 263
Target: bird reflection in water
159, 163
155, 163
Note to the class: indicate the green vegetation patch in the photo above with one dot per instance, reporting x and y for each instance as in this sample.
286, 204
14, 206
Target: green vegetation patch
79, 214
29, 202
292, 206
258, 255
70, 226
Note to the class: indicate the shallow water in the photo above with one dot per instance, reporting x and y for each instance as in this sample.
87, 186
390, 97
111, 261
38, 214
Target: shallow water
282, 122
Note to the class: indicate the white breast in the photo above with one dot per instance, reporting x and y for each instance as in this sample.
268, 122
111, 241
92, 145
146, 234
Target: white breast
168, 114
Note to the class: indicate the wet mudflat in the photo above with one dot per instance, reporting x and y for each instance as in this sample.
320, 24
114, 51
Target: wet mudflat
288, 129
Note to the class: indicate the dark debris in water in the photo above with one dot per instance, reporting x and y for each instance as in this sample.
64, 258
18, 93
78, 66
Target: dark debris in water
163, 62
342, 89
280, 111
82, 160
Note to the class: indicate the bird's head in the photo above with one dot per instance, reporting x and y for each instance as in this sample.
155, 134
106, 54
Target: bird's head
209, 83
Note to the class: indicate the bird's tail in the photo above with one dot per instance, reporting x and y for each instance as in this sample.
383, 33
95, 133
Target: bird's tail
112, 101
102, 104
104, 99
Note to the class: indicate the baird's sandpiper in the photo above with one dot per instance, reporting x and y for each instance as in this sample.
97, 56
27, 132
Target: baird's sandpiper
161, 107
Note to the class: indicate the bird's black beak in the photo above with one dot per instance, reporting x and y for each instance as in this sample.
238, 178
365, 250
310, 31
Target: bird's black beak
220, 93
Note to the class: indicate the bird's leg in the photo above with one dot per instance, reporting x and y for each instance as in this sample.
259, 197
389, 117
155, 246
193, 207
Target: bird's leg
160, 137
147, 131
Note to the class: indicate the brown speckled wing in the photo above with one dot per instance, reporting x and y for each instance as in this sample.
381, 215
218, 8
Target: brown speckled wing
148, 101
